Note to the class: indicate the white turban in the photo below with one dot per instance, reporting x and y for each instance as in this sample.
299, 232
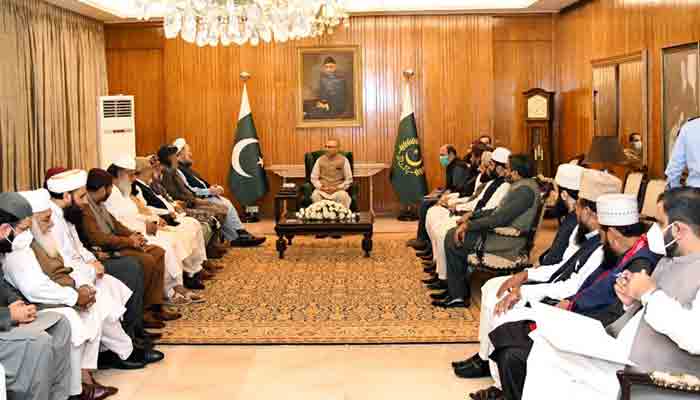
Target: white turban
67, 181
40, 200
126, 162
180, 143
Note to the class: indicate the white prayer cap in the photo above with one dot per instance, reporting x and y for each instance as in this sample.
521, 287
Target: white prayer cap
180, 144
595, 183
40, 200
67, 181
569, 176
501, 155
617, 210
126, 162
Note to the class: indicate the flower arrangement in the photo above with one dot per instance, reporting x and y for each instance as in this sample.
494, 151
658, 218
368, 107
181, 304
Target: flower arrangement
326, 210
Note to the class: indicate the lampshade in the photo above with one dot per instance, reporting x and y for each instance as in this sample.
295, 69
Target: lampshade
606, 149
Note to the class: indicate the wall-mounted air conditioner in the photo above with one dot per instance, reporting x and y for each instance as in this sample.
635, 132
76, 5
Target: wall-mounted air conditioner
117, 128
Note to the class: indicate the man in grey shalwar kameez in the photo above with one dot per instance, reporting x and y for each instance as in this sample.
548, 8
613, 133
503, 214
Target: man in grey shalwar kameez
34, 348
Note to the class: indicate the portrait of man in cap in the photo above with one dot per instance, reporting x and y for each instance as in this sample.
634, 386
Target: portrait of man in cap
329, 86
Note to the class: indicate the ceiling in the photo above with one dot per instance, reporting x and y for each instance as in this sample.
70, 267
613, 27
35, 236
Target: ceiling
114, 11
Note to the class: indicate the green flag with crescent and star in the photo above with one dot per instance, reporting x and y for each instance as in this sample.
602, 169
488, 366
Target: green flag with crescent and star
247, 179
407, 169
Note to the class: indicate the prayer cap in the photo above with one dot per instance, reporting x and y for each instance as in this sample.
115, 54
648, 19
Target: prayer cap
595, 183
617, 210
126, 162
67, 181
569, 176
54, 171
40, 200
143, 163
16, 205
98, 178
179, 143
500, 155
486, 157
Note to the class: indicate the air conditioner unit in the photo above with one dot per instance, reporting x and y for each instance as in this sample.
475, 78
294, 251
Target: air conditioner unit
117, 129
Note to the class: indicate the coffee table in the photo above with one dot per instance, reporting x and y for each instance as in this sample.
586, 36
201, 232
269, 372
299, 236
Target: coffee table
289, 226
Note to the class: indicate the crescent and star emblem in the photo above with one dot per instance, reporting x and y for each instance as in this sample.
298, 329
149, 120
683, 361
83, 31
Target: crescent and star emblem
408, 157
236, 156
411, 162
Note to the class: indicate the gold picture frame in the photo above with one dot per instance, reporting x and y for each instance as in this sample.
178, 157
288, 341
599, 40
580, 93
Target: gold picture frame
329, 87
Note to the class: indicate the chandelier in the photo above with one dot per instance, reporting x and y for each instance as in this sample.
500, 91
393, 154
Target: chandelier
210, 22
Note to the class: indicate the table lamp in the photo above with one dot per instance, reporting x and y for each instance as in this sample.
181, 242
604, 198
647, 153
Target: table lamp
606, 150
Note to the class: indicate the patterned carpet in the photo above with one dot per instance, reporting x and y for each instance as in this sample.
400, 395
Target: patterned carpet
324, 292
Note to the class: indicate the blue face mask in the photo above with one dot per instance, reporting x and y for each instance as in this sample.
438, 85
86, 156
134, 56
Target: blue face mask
444, 161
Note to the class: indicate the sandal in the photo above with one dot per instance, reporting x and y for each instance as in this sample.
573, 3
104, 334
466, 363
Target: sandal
179, 299
195, 298
491, 393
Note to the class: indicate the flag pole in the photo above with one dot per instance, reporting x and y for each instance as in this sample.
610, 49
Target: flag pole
409, 213
251, 213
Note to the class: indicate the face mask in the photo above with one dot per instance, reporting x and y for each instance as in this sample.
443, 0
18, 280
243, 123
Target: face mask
662, 241
444, 161
637, 145
22, 241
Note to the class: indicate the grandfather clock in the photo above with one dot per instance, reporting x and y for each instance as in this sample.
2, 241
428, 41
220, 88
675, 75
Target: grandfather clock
539, 114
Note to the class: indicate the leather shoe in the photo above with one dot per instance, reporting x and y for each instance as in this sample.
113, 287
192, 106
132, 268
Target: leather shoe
148, 356
426, 252
417, 244
152, 335
491, 393
245, 239
450, 303
439, 285
433, 279
109, 389
440, 295
150, 322
474, 367
97, 392
212, 267
192, 283
205, 275
164, 315
109, 360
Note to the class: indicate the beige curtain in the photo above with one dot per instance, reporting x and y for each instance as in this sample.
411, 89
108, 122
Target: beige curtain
52, 71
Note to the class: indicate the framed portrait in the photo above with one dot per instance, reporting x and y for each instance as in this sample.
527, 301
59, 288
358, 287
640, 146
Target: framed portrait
680, 91
329, 87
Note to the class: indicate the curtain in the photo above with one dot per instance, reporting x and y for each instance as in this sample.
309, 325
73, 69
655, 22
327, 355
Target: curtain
52, 71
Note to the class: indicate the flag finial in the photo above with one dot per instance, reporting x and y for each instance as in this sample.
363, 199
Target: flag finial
245, 76
408, 73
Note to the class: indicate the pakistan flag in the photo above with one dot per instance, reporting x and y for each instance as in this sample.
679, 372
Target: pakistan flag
247, 179
407, 170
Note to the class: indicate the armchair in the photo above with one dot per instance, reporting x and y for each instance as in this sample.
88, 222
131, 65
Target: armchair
307, 188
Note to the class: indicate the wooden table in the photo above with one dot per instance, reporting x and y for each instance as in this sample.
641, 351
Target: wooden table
288, 227
360, 170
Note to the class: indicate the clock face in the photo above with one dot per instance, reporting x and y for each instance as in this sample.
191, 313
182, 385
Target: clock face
537, 107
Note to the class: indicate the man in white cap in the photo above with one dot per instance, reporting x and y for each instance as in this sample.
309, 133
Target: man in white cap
68, 199
179, 254
97, 321
232, 227
441, 220
658, 331
34, 348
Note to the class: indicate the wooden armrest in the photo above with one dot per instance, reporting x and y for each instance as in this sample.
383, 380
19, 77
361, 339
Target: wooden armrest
662, 381
507, 231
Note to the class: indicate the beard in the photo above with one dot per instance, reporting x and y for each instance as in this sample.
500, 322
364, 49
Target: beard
73, 214
45, 240
124, 187
6, 244
487, 176
185, 163
610, 258
583, 230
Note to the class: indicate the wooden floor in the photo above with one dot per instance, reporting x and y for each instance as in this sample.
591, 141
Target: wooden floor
306, 372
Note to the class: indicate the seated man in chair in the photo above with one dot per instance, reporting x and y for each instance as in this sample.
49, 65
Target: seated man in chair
332, 176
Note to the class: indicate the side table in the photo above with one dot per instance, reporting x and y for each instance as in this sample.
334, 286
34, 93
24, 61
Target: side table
281, 199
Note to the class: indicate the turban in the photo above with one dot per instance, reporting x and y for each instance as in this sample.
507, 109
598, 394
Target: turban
569, 176
97, 179
67, 181
40, 200
54, 171
125, 162
500, 155
617, 210
596, 183
15, 205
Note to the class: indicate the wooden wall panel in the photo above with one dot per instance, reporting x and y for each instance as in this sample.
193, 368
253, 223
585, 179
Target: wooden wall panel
605, 90
522, 61
606, 28
454, 90
631, 100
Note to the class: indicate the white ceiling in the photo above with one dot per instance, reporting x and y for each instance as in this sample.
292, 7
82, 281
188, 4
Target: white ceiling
121, 10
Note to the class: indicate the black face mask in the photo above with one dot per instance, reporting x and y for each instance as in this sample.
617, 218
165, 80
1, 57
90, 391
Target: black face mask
560, 208
583, 230
610, 259
73, 214
6, 244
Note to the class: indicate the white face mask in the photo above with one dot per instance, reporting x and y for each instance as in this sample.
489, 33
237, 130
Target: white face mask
637, 145
22, 241
656, 240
